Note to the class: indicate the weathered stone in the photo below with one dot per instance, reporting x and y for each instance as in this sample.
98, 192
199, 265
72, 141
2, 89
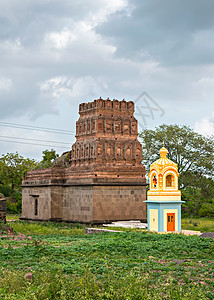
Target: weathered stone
100, 179
207, 235
29, 276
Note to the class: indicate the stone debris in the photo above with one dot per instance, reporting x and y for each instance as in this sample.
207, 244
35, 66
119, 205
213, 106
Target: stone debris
29, 276
99, 230
127, 224
207, 235
190, 232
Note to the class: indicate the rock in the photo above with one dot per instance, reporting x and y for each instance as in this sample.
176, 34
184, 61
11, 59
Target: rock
207, 235
29, 276
179, 261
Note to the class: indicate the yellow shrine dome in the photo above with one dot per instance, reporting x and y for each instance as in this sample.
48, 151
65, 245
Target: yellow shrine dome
163, 162
163, 176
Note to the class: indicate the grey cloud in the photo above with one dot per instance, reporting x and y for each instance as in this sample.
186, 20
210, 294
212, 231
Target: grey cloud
170, 32
164, 31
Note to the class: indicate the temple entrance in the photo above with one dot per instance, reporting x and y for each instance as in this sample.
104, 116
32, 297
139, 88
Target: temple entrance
171, 222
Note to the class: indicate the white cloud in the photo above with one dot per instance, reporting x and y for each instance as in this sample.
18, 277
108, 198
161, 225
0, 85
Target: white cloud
61, 39
205, 126
5, 84
72, 88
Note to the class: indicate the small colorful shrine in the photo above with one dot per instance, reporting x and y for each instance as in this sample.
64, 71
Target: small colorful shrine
164, 198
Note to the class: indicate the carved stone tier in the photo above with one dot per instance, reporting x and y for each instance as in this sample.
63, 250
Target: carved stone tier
106, 133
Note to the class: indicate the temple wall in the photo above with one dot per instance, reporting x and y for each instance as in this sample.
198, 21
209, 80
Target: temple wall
119, 203
78, 204
57, 194
43, 196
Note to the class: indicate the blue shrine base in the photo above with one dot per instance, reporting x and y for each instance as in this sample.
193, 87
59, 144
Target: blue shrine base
157, 211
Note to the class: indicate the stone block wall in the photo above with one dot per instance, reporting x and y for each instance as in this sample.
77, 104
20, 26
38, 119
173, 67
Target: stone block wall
78, 204
119, 203
41, 195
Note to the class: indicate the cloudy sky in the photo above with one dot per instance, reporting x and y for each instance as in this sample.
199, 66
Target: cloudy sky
55, 54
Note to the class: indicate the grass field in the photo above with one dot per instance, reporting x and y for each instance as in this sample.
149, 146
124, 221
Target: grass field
67, 264
201, 224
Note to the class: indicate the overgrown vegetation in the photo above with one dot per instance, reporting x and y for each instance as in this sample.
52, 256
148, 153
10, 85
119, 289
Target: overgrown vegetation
67, 264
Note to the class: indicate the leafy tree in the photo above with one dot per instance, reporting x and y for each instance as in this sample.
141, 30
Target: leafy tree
12, 169
193, 152
48, 158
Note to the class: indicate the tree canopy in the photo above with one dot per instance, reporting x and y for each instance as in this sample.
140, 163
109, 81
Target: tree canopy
12, 169
193, 152
48, 158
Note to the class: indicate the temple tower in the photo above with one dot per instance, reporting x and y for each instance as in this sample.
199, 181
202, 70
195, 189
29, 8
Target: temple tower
101, 178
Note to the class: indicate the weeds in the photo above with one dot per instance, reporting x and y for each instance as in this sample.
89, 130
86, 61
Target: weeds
66, 264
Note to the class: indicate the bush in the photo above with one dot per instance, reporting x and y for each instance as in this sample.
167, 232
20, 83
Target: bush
5, 190
207, 210
14, 208
195, 205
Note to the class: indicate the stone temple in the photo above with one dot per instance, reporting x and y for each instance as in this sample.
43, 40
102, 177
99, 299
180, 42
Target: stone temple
100, 179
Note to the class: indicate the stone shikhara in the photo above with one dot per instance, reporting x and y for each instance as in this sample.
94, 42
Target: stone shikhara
100, 179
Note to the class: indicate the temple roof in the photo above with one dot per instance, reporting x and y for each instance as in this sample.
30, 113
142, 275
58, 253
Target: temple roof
163, 161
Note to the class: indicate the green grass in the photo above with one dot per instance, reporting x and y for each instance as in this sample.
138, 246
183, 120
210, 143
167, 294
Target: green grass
13, 216
66, 264
46, 228
198, 224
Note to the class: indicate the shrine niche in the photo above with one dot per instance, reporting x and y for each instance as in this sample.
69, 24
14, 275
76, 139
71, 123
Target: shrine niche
134, 127
118, 151
126, 127
88, 126
108, 151
109, 126
99, 150
117, 126
92, 151
128, 152
100, 125
138, 153
86, 151
101, 178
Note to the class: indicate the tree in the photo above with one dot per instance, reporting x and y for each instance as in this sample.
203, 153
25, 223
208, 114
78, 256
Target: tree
12, 169
193, 152
48, 158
